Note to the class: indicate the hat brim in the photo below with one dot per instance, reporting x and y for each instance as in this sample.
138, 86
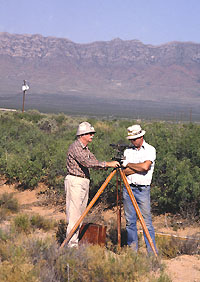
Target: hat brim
86, 132
131, 137
92, 131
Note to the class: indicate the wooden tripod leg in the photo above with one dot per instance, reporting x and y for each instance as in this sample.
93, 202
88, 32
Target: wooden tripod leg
88, 208
118, 212
138, 211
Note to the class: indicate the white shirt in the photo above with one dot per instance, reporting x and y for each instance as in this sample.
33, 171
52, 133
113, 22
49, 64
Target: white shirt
134, 155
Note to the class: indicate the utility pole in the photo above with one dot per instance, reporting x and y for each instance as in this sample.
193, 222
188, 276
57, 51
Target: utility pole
25, 87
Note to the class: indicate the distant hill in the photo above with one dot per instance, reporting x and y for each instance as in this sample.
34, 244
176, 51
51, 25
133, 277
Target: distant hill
111, 71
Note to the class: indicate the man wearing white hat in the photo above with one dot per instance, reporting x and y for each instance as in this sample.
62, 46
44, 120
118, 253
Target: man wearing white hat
79, 160
139, 165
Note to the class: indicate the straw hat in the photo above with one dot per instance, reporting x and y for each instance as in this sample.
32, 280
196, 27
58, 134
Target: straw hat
135, 131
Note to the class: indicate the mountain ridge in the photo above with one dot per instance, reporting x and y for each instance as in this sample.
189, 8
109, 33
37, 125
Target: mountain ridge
116, 69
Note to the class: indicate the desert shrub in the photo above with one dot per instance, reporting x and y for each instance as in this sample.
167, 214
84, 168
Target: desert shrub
94, 263
48, 125
60, 118
56, 170
4, 213
175, 186
24, 171
26, 224
32, 116
9, 202
61, 231
31, 153
42, 260
16, 265
172, 247
4, 236
38, 221
4, 251
19, 147
39, 249
22, 223
28, 155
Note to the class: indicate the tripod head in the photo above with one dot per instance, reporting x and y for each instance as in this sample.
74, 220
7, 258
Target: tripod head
119, 152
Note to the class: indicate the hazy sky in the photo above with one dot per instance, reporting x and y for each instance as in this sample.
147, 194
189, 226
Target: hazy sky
84, 21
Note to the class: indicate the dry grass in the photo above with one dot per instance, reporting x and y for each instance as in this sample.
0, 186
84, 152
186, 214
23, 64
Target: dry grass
25, 256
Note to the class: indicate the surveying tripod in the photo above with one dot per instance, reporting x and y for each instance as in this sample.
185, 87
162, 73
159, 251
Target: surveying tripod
99, 192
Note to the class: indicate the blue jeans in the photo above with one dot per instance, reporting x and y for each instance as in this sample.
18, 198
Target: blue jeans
142, 196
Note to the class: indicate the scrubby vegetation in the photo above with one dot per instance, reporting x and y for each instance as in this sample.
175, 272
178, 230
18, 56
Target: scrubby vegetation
41, 260
26, 255
33, 149
8, 205
24, 223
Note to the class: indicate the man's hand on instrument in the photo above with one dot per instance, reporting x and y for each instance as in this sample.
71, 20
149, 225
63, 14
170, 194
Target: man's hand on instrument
113, 164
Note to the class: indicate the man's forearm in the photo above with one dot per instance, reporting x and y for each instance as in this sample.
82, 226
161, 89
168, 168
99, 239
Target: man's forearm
128, 171
139, 167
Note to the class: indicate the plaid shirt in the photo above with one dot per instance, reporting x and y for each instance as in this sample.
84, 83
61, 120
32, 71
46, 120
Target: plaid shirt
80, 159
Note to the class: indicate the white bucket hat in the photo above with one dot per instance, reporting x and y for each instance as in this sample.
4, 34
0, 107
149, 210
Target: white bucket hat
84, 128
135, 131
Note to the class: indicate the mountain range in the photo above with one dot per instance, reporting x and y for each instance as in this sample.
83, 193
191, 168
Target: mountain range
116, 72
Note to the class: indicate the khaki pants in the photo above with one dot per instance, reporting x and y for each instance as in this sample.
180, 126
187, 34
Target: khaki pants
77, 192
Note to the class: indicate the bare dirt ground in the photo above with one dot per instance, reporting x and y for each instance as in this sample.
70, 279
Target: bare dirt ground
184, 268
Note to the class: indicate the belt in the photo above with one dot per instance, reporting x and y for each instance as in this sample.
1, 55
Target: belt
87, 177
138, 185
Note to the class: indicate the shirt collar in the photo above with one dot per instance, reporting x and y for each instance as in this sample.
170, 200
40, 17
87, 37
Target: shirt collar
142, 147
144, 144
82, 145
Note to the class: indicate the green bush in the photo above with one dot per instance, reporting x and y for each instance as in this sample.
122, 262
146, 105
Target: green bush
4, 236
15, 264
172, 247
38, 221
26, 224
8, 204
33, 149
22, 223
7, 201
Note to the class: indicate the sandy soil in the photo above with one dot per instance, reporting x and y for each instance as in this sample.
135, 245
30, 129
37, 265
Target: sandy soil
183, 268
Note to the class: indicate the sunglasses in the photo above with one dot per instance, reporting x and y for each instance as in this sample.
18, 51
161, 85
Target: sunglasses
90, 133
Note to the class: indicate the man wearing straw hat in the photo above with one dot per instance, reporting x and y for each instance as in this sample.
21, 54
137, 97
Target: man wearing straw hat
139, 165
79, 160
